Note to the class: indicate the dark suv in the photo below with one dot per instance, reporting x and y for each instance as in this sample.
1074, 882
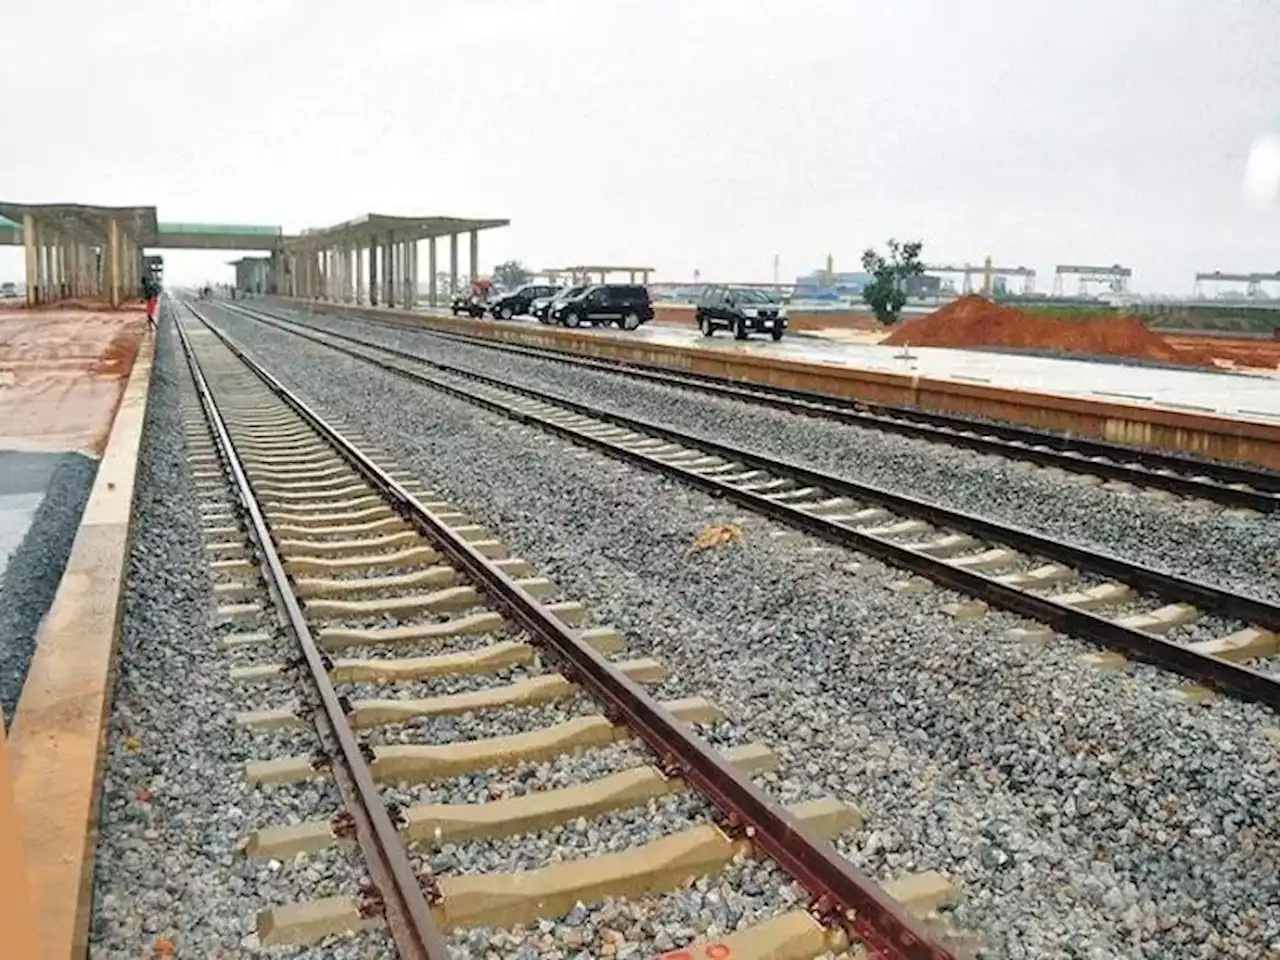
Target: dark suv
508, 305
742, 310
542, 307
625, 304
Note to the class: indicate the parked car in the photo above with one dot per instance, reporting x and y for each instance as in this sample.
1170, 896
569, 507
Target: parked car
8, 289
625, 304
742, 310
542, 307
508, 305
471, 304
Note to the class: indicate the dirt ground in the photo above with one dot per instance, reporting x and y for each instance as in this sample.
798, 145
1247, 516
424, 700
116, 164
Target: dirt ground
62, 373
1242, 352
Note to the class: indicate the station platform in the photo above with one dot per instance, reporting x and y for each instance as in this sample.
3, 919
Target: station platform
1244, 395
73, 399
1232, 416
62, 373
62, 376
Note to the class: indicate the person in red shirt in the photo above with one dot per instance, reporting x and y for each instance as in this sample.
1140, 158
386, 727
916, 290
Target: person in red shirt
151, 288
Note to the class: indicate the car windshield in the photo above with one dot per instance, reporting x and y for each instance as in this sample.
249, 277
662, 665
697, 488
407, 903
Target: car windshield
571, 292
748, 295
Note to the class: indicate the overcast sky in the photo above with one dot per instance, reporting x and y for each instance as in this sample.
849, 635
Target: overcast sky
708, 134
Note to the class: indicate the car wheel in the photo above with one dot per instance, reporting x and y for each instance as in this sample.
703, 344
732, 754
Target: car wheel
572, 319
631, 321
776, 332
739, 328
505, 312
704, 324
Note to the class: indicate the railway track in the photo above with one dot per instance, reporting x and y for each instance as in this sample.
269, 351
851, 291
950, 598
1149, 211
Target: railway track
1117, 604
319, 547
1230, 485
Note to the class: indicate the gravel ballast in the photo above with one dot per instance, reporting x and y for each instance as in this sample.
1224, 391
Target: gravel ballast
1083, 813
1196, 539
34, 570
175, 805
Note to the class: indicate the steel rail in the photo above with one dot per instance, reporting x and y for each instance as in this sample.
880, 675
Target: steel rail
1150, 468
842, 894
408, 917
1239, 681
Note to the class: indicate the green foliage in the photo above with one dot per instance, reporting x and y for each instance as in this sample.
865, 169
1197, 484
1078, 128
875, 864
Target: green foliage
511, 274
885, 295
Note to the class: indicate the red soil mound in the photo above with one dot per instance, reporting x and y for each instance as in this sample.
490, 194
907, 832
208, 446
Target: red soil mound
974, 321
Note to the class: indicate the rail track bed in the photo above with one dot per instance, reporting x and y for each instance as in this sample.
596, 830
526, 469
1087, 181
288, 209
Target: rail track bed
1228, 484
1080, 811
1209, 634
437, 702
1183, 535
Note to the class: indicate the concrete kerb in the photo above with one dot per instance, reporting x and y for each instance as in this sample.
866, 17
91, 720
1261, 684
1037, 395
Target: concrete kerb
59, 730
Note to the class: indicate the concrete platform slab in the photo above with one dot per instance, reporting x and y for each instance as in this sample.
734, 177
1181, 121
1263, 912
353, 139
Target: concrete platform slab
62, 374
1225, 394
60, 724
1218, 415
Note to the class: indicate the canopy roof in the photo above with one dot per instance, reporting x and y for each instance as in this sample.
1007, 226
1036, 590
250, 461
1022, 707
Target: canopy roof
86, 222
375, 225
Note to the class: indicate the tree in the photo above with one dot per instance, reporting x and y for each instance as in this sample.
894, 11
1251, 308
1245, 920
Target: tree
511, 274
886, 294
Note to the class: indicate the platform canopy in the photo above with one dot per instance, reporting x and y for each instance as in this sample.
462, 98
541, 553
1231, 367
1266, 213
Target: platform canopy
582, 273
86, 223
376, 226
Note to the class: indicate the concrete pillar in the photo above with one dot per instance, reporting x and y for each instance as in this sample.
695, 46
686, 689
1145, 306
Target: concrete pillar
475, 255
360, 294
402, 251
453, 263
431, 267
30, 249
128, 262
40, 274
373, 274
55, 284
389, 272
413, 274
397, 272
113, 262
